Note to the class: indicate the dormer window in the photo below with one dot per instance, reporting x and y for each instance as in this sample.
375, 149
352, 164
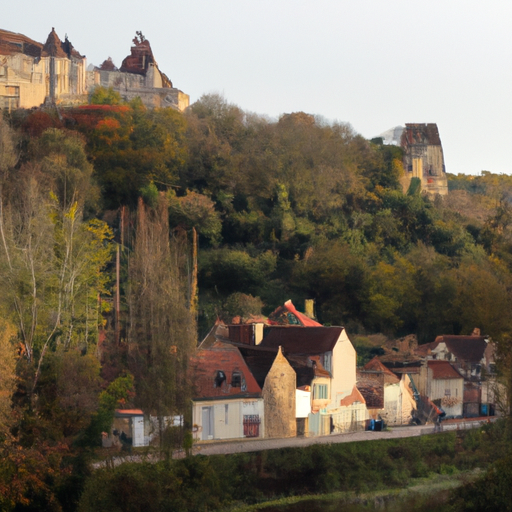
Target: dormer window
236, 379
220, 378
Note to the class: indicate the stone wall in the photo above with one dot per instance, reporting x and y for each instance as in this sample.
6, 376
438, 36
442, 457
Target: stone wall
279, 399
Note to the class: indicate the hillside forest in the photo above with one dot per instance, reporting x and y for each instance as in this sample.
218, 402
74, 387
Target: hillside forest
125, 233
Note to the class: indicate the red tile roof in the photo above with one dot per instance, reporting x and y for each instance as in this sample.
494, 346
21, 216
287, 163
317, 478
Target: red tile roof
128, 412
376, 366
464, 348
443, 370
221, 357
372, 388
288, 315
355, 396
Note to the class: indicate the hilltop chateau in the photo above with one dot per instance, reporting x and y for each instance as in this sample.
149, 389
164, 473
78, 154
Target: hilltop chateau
55, 73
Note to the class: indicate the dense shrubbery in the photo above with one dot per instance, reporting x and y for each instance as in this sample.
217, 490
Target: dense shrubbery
210, 483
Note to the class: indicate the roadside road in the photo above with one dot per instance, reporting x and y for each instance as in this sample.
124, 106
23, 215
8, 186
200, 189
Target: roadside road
253, 445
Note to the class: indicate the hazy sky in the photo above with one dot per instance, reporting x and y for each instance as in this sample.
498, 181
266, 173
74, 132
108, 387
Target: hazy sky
372, 63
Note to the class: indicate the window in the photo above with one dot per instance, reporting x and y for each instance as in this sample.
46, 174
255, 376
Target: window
226, 415
447, 392
12, 90
219, 379
327, 361
321, 391
236, 379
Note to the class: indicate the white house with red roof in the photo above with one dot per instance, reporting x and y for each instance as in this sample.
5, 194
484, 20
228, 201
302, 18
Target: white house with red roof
227, 401
388, 397
443, 385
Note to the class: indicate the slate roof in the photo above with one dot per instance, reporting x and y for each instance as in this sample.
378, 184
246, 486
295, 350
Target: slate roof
53, 46
259, 362
12, 43
421, 133
260, 359
301, 340
468, 348
464, 348
443, 370
221, 357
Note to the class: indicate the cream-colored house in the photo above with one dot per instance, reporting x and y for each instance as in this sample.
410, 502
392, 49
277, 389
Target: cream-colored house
443, 385
227, 401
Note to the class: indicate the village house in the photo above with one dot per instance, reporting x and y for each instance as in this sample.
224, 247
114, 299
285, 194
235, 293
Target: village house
227, 401
388, 397
325, 362
473, 357
443, 385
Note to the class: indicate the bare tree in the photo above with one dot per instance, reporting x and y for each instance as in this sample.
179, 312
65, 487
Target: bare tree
162, 328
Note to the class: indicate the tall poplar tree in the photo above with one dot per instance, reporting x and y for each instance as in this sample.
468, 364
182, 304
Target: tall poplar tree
162, 329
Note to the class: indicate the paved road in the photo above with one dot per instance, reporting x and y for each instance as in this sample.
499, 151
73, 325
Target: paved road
252, 445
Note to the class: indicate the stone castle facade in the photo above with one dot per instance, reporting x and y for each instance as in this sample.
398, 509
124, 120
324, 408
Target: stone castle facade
423, 158
33, 74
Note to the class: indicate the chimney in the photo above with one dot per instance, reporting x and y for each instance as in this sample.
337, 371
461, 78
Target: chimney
476, 332
258, 333
309, 308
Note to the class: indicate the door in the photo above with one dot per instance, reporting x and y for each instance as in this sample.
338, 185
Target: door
138, 431
207, 423
252, 425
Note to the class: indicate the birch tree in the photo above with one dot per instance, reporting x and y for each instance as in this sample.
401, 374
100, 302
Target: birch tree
51, 264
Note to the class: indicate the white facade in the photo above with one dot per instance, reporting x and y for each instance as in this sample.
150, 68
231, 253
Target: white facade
228, 419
